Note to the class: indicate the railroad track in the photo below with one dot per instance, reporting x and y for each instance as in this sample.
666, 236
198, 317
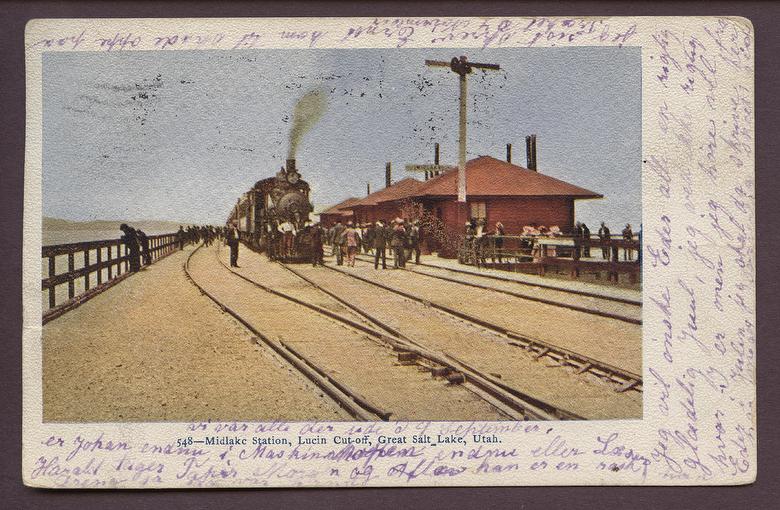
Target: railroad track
507, 402
352, 403
623, 379
527, 296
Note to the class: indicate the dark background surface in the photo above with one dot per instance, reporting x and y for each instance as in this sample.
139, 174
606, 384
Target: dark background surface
762, 494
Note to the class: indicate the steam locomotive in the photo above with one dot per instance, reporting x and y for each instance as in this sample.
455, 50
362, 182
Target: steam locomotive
270, 203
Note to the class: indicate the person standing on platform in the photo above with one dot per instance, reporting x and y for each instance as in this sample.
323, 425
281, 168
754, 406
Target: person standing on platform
379, 242
352, 242
288, 232
368, 240
498, 241
338, 238
130, 240
414, 241
604, 238
232, 242
180, 237
639, 252
397, 243
585, 241
575, 255
628, 236
316, 234
144, 241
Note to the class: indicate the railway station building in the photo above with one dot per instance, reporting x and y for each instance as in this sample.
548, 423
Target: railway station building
496, 191
385, 204
500, 191
338, 212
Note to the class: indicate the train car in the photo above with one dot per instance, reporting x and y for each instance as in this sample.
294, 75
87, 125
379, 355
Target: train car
270, 204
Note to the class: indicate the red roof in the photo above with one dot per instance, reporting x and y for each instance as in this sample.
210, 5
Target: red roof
402, 189
339, 208
486, 176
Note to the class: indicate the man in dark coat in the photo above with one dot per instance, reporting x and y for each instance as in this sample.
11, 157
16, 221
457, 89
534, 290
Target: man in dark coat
368, 238
628, 235
180, 237
585, 240
130, 240
144, 241
338, 242
232, 242
316, 234
604, 238
379, 245
415, 238
398, 243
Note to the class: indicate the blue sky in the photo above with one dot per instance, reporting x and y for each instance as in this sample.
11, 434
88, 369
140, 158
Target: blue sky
180, 135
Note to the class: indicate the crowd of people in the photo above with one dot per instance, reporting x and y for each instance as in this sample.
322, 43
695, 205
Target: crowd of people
481, 242
403, 237
137, 243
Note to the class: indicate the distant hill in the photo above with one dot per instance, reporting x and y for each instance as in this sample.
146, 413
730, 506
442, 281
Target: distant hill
106, 225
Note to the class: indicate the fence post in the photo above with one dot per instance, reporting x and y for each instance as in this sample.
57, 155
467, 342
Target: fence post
71, 265
110, 265
99, 253
86, 267
53, 288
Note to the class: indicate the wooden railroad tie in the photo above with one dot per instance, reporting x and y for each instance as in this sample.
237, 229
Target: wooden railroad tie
456, 378
407, 358
440, 371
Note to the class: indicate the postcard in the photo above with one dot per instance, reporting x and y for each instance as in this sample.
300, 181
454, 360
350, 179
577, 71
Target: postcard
347, 252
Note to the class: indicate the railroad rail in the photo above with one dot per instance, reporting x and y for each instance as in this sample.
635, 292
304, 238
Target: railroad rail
106, 260
537, 299
510, 402
625, 380
354, 404
539, 405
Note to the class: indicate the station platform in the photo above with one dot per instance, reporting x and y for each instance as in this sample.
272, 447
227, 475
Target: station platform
542, 281
566, 285
153, 348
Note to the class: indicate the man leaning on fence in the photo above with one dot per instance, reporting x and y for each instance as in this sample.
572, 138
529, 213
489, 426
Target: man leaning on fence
144, 241
130, 240
604, 238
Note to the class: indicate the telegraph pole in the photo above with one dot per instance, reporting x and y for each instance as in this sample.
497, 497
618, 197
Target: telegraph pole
463, 68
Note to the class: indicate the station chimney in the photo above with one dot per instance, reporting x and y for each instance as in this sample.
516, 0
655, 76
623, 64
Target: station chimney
388, 174
509, 153
368, 188
530, 151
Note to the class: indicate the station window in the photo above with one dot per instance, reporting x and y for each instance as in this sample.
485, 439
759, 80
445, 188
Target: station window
478, 210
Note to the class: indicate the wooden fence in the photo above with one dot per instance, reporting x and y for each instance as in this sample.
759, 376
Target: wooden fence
91, 268
540, 255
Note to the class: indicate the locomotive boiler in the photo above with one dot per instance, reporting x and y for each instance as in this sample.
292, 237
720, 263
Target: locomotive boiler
279, 201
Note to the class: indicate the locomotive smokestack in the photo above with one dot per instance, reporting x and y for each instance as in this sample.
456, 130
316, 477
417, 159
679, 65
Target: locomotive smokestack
509, 153
388, 174
291, 165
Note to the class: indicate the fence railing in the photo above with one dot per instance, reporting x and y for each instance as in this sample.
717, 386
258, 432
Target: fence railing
73, 273
539, 254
